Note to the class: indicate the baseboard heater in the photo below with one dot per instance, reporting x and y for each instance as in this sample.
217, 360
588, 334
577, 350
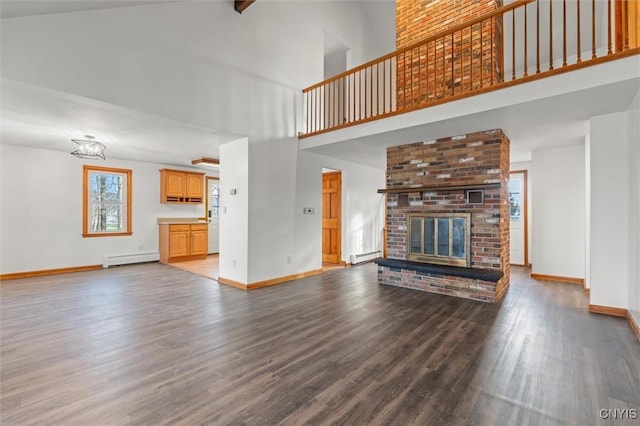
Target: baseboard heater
126, 259
364, 257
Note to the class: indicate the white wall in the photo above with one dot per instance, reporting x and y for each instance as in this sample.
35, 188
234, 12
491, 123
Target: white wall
265, 225
526, 165
587, 213
234, 211
558, 220
610, 208
41, 211
272, 183
282, 181
634, 207
198, 62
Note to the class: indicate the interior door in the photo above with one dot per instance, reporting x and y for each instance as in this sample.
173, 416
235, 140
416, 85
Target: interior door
518, 217
331, 217
213, 213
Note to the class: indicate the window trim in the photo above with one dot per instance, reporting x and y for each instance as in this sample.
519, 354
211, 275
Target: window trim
86, 171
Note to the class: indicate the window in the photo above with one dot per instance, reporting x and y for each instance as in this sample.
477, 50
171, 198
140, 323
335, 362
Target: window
106, 202
214, 208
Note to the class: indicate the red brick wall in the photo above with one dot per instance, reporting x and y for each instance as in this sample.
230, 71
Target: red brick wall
476, 158
472, 59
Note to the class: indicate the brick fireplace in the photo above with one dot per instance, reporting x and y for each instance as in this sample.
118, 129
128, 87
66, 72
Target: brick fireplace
439, 194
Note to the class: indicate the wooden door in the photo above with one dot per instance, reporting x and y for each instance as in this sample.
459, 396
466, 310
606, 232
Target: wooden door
331, 217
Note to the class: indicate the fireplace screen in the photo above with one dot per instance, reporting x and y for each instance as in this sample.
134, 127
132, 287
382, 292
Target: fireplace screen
442, 238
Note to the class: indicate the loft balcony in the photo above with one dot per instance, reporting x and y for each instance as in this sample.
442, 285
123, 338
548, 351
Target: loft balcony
524, 41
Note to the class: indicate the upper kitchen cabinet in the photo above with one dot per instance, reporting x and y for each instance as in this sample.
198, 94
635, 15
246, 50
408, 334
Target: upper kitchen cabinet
179, 186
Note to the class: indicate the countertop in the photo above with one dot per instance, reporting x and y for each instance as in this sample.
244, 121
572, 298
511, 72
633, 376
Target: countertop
180, 220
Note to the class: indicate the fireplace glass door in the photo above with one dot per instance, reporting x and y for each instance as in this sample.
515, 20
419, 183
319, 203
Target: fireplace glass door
443, 239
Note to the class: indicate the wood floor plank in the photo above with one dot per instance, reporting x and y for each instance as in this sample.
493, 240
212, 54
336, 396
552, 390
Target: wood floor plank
152, 344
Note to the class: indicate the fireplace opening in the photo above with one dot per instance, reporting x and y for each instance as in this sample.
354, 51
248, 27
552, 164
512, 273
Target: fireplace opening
440, 238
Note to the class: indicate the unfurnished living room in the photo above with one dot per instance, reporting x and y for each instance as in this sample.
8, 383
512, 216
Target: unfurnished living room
262, 212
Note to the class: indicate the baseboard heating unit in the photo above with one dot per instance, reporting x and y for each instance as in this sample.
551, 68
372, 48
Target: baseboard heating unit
126, 259
364, 257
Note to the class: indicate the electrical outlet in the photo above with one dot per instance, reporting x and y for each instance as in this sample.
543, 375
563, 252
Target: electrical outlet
233, 262
289, 260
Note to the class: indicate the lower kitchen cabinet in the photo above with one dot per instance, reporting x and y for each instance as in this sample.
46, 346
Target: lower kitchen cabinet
185, 241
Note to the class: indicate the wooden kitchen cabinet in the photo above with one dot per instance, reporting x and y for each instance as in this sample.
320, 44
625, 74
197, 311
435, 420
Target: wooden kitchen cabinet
186, 241
181, 187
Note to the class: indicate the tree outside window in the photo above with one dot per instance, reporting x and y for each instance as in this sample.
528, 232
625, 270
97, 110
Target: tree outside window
106, 201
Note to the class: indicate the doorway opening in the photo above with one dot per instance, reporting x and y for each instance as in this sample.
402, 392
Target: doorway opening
208, 267
518, 218
331, 218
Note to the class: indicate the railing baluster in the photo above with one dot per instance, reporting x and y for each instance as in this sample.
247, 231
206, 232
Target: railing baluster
377, 89
513, 45
481, 54
419, 75
411, 78
327, 105
384, 86
471, 61
593, 29
625, 6
444, 70
579, 32
491, 43
609, 27
461, 62
353, 100
435, 70
538, 37
564, 33
371, 92
360, 96
551, 35
525, 39
453, 77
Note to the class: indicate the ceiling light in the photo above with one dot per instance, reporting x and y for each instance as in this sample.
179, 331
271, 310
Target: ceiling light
206, 162
88, 148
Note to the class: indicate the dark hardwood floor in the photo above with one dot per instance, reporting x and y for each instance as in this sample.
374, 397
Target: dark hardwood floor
151, 344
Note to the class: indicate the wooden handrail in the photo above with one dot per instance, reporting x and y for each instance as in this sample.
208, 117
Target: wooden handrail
469, 59
427, 40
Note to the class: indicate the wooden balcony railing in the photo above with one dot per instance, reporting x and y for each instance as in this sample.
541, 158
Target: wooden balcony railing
517, 43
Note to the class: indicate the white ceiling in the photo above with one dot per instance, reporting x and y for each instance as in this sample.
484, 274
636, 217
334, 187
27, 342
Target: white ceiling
43, 118
40, 117
20, 8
